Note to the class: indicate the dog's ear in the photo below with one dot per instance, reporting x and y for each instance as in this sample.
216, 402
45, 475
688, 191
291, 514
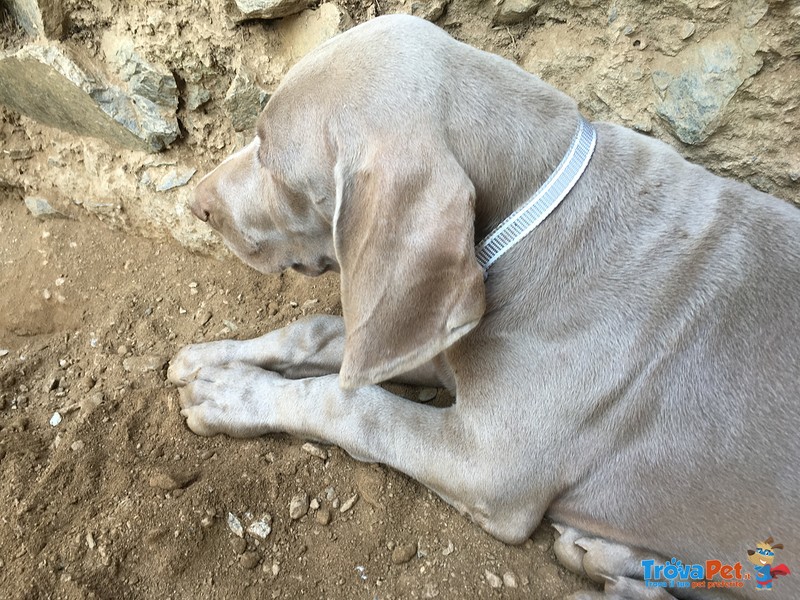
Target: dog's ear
404, 237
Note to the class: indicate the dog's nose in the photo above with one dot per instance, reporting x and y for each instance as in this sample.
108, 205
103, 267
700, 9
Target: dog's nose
199, 205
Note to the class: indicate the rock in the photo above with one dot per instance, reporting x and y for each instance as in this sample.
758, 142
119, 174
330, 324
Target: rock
298, 506
41, 209
144, 80
3, 352
493, 580
267, 9
261, 528
244, 101
315, 450
239, 545
323, 516
431, 10
168, 481
77, 446
687, 30
349, 503
403, 553
303, 32
176, 178
45, 84
704, 80
509, 579
314, 504
515, 11
39, 18
140, 365
234, 525
249, 560
196, 96
55, 420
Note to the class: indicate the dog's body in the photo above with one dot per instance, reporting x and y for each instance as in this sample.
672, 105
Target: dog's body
631, 368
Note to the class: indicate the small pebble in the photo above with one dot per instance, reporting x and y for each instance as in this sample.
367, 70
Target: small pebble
449, 550
493, 580
314, 504
122, 350
260, 529
349, 503
249, 560
298, 506
234, 525
323, 516
404, 553
55, 419
315, 450
239, 545
3, 352
275, 569
77, 446
509, 579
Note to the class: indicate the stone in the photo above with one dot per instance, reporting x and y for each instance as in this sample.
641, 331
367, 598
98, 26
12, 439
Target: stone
47, 85
244, 101
234, 524
349, 503
267, 9
323, 516
39, 18
702, 82
298, 506
493, 580
176, 178
249, 560
403, 553
509, 579
431, 10
169, 481
303, 32
315, 450
196, 96
515, 11
41, 209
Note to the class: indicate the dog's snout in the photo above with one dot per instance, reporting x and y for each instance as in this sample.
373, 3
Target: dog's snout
199, 206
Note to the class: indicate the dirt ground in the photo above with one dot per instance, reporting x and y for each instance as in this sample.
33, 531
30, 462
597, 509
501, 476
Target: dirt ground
120, 500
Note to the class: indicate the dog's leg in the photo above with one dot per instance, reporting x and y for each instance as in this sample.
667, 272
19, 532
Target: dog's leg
616, 566
309, 347
371, 424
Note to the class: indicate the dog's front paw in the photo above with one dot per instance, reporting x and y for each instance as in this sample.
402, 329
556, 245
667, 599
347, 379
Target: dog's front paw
190, 359
235, 399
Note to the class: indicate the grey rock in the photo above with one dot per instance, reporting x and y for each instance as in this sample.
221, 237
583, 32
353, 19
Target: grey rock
144, 79
41, 209
45, 84
515, 11
244, 101
39, 18
176, 178
431, 10
492, 579
196, 96
267, 9
298, 506
707, 78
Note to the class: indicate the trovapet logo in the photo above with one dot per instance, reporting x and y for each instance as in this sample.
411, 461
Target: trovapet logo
710, 574
716, 574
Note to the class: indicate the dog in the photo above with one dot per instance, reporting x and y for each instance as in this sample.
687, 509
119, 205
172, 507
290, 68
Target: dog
630, 368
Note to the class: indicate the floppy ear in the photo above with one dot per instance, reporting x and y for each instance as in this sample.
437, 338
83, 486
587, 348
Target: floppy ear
404, 238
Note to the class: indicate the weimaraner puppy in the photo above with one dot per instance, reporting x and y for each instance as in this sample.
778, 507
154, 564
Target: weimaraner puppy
630, 368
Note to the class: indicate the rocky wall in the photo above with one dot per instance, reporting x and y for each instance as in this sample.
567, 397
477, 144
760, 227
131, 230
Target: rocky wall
114, 109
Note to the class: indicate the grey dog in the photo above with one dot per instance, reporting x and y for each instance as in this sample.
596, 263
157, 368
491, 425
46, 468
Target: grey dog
631, 369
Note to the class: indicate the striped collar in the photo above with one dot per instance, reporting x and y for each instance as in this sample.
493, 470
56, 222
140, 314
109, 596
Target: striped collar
528, 216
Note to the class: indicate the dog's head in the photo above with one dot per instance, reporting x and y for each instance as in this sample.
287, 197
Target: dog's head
351, 171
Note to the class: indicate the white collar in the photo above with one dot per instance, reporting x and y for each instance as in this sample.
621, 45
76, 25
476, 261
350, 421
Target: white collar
525, 219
